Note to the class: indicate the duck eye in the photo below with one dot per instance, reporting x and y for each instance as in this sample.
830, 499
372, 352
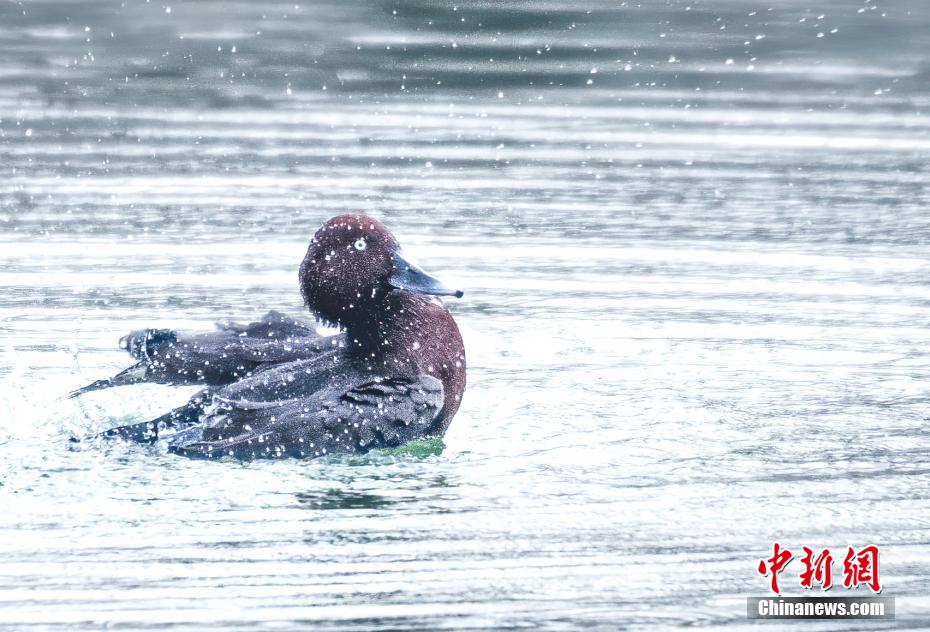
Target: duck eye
360, 244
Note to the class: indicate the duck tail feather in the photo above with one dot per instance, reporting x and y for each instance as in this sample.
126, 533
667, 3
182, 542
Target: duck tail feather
132, 375
182, 417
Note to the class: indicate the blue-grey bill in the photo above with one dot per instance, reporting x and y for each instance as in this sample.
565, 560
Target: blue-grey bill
409, 276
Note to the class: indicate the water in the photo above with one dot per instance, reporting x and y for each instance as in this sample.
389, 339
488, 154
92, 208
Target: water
694, 238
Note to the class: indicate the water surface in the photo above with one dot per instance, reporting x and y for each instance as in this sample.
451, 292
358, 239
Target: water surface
694, 238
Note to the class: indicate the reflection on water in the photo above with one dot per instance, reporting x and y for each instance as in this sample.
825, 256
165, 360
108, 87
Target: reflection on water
338, 499
694, 241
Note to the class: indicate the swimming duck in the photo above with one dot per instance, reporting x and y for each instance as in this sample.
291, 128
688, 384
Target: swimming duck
396, 372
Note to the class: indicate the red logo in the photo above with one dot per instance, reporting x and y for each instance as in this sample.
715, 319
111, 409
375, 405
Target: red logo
859, 568
774, 565
862, 568
818, 570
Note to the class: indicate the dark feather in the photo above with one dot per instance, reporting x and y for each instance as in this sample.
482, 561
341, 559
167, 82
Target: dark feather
148, 431
216, 358
371, 414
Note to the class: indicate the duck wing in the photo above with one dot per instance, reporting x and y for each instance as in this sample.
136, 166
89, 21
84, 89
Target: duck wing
270, 382
215, 358
274, 325
148, 431
367, 414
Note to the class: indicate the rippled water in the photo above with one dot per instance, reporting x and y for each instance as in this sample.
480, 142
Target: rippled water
694, 238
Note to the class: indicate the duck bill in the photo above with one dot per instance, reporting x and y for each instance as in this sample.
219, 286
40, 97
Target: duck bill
409, 276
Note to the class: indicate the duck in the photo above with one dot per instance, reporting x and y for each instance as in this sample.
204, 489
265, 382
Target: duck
277, 388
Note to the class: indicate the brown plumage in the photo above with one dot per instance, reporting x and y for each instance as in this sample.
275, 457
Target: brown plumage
405, 332
396, 373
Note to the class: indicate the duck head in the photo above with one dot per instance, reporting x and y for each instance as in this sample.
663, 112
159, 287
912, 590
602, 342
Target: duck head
353, 262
